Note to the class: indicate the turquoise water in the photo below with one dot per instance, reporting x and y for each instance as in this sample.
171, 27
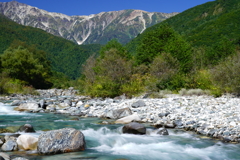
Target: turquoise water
106, 142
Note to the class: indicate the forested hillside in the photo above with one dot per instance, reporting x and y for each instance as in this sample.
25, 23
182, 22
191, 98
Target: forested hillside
204, 25
65, 56
196, 49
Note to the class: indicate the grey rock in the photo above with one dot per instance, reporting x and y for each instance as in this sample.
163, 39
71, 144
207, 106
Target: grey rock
27, 106
178, 123
27, 128
190, 122
61, 141
163, 114
134, 128
212, 132
16, 103
68, 101
139, 103
42, 104
118, 113
10, 145
162, 131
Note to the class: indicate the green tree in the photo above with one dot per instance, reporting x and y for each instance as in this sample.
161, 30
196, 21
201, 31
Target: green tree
164, 39
114, 44
105, 76
30, 67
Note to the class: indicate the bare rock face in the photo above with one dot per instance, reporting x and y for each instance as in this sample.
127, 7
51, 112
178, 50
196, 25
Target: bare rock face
95, 28
134, 128
61, 141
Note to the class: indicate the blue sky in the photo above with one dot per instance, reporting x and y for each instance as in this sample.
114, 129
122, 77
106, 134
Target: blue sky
87, 7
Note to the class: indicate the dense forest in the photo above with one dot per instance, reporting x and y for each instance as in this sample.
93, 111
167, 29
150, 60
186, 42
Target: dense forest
196, 49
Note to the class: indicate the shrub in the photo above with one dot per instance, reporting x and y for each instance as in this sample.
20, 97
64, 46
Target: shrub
226, 75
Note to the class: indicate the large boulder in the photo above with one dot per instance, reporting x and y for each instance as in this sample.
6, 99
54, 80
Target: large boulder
27, 142
134, 128
27, 106
27, 128
61, 141
132, 118
118, 113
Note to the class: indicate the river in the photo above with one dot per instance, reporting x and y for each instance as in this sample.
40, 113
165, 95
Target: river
106, 142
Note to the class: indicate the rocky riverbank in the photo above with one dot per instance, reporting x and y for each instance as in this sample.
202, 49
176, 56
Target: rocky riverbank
214, 117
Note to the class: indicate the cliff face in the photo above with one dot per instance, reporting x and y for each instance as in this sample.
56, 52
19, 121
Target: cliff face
97, 28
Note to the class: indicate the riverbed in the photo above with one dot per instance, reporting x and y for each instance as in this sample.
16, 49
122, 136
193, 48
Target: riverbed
107, 142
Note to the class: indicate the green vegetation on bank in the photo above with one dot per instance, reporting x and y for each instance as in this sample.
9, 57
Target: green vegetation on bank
188, 51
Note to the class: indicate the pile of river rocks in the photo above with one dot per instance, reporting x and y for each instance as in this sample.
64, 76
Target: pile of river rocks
50, 142
214, 117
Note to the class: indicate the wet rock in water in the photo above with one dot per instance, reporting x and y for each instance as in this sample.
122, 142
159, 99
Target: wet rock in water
4, 156
134, 128
118, 113
61, 141
15, 103
139, 103
128, 119
27, 106
27, 142
27, 128
10, 145
162, 131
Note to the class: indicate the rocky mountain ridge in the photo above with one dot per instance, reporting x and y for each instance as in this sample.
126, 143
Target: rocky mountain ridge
96, 28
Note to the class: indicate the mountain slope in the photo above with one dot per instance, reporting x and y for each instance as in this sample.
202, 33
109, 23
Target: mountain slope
204, 24
99, 28
65, 56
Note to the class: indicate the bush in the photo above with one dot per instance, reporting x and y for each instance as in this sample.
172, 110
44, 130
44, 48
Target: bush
226, 75
12, 86
136, 85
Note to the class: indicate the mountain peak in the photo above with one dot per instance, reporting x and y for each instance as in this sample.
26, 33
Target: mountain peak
95, 28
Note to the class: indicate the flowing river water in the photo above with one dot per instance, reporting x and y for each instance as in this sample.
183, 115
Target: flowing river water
106, 142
